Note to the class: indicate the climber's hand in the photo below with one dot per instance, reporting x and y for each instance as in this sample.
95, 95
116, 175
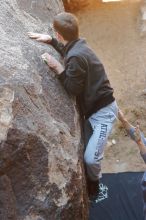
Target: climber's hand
40, 37
137, 135
52, 63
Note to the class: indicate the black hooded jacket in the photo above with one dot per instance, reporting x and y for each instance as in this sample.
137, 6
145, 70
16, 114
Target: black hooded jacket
84, 76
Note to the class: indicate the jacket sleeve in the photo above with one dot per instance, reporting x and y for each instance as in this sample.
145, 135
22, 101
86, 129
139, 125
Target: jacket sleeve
58, 46
74, 76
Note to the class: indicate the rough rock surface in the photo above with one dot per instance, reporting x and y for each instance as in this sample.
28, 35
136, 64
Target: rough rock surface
41, 173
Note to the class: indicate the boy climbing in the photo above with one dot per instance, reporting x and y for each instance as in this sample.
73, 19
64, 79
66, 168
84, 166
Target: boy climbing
83, 76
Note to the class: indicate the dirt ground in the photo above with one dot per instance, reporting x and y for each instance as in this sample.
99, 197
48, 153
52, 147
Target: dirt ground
112, 30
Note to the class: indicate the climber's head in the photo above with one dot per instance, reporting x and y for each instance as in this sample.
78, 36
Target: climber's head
66, 26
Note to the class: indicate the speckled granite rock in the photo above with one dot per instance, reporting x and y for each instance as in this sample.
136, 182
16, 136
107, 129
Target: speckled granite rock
41, 170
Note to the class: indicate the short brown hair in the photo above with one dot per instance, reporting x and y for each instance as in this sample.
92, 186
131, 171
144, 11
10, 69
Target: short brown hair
66, 24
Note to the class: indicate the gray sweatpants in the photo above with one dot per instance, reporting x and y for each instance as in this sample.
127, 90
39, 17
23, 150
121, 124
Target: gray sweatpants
102, 123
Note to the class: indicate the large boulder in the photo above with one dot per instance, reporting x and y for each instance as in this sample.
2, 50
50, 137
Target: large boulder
41, 166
